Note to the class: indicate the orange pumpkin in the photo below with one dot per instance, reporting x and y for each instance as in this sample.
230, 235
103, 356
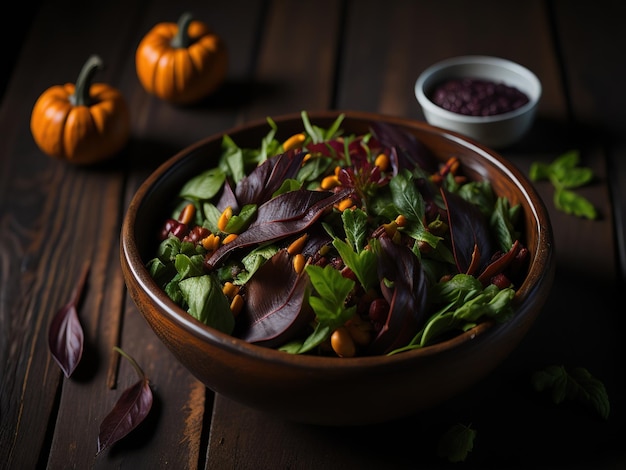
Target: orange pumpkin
181, 62
82, 123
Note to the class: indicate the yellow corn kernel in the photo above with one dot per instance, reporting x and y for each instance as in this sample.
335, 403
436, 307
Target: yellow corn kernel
229, 238
224, 218
342, 343
230, 289
186, 215
306, 158
401, 221
337, 170
296, 246
295, 141
329, 182
236, 304
382, 162
344, 204
298, 263
211, 242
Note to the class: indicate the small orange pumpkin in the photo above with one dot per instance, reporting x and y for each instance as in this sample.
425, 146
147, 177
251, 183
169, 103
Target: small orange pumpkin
181, 62
82, 123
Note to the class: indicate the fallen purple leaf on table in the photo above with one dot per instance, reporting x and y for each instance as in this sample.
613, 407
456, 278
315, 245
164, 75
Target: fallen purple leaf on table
130, 410
65, 335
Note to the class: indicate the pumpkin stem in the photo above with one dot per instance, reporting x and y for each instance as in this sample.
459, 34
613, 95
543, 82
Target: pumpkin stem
83, 83
181, 40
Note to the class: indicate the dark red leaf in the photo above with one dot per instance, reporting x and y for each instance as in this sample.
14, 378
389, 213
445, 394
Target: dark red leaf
499, 265
130, 410
227, 198
259, 186
329, 148
409, 152
469, 233
407, 298
275, 312
280, 217
65, 334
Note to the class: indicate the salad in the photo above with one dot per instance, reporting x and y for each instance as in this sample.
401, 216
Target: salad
340, 245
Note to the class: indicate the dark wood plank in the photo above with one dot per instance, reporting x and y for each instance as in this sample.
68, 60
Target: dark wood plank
377, 74
387, 48
173, 431
593, 66
296, 58
54, 218
286, 57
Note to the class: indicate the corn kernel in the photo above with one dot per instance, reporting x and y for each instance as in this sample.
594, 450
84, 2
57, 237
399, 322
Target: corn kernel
298, 263
224, 218
210, 242
401, 220
186, 215
229, 238
344, 204
230, 289
236, 304
297, 245
295, 141
342, 343
329, 182
382, 162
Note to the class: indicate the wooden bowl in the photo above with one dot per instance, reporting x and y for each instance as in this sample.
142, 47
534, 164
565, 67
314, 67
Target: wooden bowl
330, 390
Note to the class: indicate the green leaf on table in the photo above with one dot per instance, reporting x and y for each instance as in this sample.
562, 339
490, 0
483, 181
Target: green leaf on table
577, 385
565, 174
456, 443
572, 203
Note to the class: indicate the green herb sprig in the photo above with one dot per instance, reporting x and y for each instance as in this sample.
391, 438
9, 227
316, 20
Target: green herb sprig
456, 443
565, 174
576, 385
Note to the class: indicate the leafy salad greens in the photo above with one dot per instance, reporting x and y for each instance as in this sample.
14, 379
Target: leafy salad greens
339, 244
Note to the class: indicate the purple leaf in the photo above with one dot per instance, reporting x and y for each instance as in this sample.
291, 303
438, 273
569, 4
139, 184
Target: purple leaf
65, 334
500, 264
130, 410
469, 233
227, 198
284, 215
407, 298
329, 148
259, 186
409, 150
275, 312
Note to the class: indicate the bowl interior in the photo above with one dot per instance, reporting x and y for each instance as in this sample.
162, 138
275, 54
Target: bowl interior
158, 192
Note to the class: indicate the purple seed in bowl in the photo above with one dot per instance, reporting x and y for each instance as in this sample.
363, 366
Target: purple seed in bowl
477, 97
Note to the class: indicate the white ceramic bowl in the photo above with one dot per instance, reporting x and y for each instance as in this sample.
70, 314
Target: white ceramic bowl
496, 131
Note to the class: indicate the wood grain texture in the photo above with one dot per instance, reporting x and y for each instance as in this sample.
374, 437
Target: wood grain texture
286, 56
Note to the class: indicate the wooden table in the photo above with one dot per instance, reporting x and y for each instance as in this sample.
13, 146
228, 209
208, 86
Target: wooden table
287, 56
